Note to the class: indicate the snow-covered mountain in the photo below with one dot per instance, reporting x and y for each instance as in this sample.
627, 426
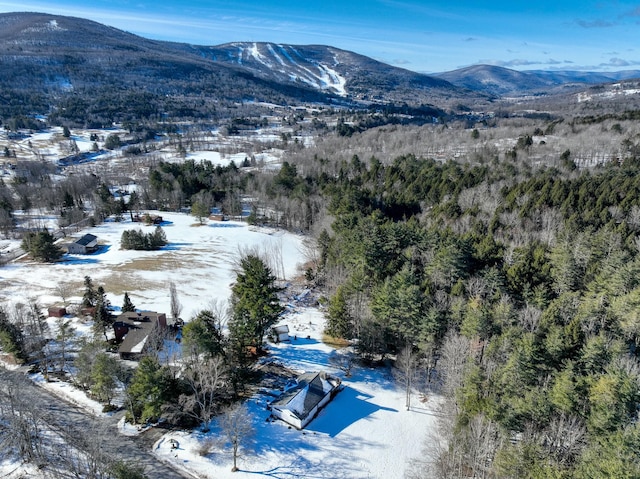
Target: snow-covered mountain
47, 50
332, 70
286, 63
47, 56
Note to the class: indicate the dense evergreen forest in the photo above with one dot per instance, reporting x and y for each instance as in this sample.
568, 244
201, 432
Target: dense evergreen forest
527, 313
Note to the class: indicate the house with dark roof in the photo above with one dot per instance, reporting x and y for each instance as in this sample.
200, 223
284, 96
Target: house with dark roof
138, 332
300, 404
85, 245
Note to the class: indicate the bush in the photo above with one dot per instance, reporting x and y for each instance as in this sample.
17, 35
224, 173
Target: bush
112, 142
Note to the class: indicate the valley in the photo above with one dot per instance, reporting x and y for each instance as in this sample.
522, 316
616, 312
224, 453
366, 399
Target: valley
460, 250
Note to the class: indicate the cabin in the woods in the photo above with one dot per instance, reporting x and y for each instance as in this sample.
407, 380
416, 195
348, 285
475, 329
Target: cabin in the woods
300, 404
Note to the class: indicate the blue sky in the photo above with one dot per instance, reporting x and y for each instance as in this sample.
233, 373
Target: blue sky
426, 36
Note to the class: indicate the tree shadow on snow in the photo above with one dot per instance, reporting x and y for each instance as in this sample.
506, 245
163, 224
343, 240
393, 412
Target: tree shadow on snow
298, 448
175, 246
302, 341
75, 260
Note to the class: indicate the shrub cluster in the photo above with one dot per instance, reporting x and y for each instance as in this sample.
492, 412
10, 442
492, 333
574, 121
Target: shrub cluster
136, 239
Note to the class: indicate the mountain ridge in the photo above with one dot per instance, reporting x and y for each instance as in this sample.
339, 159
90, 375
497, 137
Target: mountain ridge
501, 81
116, 75
80, 52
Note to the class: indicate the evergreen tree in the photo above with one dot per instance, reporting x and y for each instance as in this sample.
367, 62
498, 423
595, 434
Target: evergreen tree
102, 316
254, 300
65, 333
147, 391
338, 318
89, 297
41, 246
203, 334
11, 339
104, 377
127, 305
157, 239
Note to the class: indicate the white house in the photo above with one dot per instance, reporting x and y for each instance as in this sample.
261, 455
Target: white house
300, 404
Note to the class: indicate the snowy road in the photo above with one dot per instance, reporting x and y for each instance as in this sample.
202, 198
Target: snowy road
62, 416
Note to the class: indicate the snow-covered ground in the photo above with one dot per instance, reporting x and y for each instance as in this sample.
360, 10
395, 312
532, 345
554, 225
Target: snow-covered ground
200, 260
365, 432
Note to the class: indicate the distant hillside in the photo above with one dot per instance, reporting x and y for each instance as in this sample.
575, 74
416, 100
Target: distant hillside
496, 80
81, 72
501, 81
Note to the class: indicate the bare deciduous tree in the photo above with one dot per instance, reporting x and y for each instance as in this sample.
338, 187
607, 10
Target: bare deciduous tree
175, 305
64, 290
454, 355
206, 378
343, 359
530, 318
406, 371
22, 420
238, 428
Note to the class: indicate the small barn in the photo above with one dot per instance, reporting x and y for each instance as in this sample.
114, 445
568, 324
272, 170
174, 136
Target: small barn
281, 333
136, 331
85, 245
300, 404
57, 311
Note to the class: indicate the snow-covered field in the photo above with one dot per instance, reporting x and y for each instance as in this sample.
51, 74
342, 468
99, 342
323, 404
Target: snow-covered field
365, 432
200, 260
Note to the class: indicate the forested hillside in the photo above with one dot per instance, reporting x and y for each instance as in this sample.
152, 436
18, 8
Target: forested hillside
518, 285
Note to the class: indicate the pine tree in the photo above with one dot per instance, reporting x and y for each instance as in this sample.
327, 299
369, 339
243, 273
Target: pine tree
127, 305
102, 316
338, 317
11, 339
255, 305
89, 297
103, 377
147, 390
41, 246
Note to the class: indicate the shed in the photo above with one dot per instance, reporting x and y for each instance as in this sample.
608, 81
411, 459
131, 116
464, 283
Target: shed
57, 311
281, 333
300, 404
85, 245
